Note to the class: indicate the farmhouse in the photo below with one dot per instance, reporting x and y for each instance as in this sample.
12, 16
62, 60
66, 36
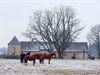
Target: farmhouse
79, 49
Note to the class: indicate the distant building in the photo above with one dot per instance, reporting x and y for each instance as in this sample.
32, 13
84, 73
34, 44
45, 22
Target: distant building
79, 49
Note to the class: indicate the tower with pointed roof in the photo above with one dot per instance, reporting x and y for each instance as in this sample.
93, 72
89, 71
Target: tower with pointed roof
14, 46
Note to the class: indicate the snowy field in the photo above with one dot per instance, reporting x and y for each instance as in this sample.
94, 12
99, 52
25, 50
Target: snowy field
57, 67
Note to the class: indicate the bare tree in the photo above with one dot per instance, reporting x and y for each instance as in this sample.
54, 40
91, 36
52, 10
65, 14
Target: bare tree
94, 37
59, 27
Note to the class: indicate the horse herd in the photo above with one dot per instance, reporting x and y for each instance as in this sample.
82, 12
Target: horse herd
24, 58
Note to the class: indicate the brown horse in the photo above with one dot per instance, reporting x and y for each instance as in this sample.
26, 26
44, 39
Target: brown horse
39, 56
49, 56
42, 57
46, 56
30, 58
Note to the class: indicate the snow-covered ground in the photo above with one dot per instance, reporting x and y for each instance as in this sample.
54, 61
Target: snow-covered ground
57, 67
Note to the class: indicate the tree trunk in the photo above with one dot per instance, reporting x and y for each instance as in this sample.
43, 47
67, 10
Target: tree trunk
60, 56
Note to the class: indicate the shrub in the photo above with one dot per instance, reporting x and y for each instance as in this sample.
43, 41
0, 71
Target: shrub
11, 57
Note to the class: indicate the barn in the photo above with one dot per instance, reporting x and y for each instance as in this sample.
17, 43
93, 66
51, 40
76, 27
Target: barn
77, 49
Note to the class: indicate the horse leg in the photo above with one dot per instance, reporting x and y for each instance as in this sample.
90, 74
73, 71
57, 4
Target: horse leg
33, 62
49, 61
40, 61
21, 61
26, 62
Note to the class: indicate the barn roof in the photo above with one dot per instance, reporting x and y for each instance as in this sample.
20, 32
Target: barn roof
31, 46
26, 45
78, 46
14, 41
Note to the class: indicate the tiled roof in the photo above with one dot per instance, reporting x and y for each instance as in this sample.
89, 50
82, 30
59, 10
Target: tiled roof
26, 45
14, 41
76, 46
30, 46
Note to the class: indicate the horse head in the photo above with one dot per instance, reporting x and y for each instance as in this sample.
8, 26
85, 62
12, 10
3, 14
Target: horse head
53, 54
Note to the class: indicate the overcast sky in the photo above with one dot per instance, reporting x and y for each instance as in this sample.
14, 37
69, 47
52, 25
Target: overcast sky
14, 15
